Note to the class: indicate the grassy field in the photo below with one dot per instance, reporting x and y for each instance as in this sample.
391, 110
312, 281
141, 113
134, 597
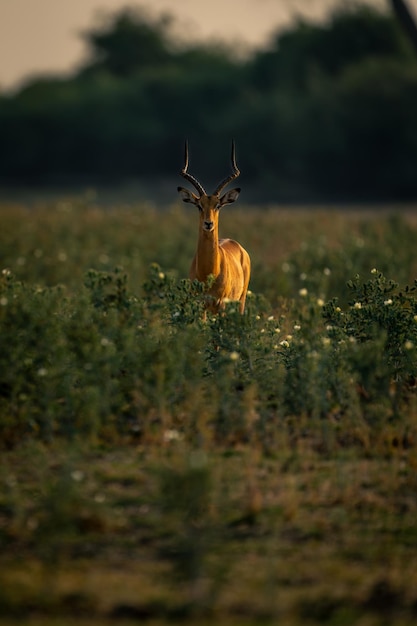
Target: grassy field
256, 469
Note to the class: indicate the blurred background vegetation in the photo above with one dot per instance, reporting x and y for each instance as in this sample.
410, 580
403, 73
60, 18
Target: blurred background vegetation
326, 111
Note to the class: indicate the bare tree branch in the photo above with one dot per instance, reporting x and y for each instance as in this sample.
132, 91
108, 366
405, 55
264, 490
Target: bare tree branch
406, 20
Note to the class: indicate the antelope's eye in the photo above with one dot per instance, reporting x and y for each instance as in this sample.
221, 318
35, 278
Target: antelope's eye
200, 208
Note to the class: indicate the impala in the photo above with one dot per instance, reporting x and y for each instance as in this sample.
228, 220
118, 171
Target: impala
224, 260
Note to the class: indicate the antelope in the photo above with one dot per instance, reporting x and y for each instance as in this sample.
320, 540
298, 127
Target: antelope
224, 261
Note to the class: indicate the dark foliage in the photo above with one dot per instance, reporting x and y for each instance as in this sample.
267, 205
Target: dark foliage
326, 111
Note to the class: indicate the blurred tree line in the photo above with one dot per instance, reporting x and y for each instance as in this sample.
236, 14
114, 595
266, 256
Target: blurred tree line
326, 111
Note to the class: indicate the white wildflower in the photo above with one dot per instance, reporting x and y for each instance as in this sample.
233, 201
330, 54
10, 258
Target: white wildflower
388, 302
172, 435
357, 305
234, 356
303, 292
408, 345
284, 343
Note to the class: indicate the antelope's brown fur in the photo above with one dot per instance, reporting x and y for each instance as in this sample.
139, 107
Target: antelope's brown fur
225, 260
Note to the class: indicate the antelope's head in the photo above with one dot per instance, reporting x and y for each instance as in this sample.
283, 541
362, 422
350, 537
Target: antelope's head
209, 205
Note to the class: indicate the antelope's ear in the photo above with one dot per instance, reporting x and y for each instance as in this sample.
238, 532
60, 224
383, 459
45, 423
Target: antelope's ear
229, 197
188, 196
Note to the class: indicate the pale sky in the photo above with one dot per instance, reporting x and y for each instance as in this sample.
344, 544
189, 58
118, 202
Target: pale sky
43, 36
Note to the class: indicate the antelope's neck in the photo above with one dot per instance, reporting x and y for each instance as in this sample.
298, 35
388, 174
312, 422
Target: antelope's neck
208, 255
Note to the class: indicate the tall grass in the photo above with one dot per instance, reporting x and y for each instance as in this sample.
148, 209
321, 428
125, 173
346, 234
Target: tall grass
245, 462
104, 336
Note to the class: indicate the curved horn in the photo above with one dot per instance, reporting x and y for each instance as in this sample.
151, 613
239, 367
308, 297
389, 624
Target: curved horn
191, 179
235, 173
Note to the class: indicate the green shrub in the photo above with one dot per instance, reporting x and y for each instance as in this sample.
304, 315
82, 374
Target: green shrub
103, 360
380, 328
